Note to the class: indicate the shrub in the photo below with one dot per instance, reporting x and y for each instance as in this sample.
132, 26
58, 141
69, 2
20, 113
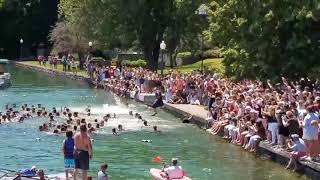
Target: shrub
213, 53
184, 55
209, 54
141, 63
137, 63
97, 59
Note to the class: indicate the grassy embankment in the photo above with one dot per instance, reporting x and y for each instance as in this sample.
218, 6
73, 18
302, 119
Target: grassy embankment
59, 68
211, 64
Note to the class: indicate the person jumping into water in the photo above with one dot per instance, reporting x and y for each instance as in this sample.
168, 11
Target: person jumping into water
158, 102
83, 152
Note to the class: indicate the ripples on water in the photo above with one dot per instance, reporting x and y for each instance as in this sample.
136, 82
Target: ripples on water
204, 157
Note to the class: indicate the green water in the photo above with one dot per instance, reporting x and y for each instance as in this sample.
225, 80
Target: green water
204, 157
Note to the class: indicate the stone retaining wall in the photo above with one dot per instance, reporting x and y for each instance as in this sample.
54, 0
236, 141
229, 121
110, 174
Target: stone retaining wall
69, 75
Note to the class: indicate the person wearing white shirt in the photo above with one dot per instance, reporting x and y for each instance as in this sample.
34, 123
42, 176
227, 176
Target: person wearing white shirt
174, 171
310, 132
102, 174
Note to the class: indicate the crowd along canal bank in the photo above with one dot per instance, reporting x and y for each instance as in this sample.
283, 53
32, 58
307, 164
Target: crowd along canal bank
310, 169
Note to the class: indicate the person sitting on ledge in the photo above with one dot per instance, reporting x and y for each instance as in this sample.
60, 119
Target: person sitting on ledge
296, 144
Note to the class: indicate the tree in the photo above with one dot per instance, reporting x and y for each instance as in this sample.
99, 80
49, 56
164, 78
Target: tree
267, 38
27, 19
141, 24
66, 38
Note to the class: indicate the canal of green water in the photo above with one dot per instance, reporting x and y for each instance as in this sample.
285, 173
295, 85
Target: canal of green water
204, 157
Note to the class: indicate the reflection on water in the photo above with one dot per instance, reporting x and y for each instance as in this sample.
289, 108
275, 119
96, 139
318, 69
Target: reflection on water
204, 157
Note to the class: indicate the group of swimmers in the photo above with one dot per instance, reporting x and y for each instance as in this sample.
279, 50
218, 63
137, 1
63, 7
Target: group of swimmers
71, 121
65, 120
14, 114
139, 117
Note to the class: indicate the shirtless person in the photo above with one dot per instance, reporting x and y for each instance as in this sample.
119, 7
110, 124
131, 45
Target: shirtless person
83, 152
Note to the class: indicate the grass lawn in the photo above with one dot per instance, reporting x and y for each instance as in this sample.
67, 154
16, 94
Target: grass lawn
60, 67
214, 64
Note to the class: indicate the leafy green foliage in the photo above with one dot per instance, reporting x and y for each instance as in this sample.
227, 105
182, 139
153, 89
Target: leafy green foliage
211, 65
184, 55
267, 38
137, 63
27, 19
135, 24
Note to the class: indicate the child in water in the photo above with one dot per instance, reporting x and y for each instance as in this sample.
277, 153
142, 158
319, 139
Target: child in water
120, 128
114, 131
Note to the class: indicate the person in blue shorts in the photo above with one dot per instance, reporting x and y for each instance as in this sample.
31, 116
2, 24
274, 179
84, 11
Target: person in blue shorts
68, 149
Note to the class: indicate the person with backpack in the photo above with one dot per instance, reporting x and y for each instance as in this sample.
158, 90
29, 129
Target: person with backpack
68, 149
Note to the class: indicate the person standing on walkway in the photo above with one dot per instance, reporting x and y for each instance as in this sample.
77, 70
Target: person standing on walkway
83, 152
68, 149
64, 63
69, 59
311, 132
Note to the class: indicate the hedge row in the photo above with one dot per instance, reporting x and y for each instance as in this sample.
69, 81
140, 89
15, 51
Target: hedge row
137, 63
211, 53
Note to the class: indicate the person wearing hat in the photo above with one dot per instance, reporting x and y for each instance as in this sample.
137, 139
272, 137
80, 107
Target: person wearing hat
297, 145
174, 171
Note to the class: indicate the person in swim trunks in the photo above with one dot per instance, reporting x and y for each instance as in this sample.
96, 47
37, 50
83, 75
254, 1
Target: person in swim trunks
83, 152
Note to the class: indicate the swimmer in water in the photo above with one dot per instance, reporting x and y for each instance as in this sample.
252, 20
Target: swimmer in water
114, 131
114, 115
130, 113
155, 129
21, 119
136, 115
145, 123
140, 118
120, 128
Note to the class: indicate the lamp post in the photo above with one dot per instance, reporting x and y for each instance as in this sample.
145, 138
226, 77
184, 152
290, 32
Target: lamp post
162, 47
203, 13
21, 43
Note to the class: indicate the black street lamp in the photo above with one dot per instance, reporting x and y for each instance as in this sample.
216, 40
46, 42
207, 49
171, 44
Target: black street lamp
21, 43
202, 11
162, 47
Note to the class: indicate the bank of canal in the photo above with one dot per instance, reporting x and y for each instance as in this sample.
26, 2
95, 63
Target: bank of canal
203, 156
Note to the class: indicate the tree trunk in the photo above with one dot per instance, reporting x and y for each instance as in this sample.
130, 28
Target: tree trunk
155, 56
152, 56
81, 60
175, 56
148, 56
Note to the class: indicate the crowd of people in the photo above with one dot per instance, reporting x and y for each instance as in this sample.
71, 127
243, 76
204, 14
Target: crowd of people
284, 114
76, 126
69, 63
